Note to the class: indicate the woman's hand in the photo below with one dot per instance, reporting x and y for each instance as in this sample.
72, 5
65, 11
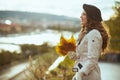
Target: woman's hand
78, 76
72, 55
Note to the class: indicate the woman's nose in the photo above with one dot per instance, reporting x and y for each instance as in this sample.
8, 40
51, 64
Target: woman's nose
80, 17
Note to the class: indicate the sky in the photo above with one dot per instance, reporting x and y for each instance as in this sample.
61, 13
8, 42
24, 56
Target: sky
71, 8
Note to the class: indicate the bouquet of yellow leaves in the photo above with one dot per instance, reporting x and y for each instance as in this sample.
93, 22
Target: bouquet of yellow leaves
66, 45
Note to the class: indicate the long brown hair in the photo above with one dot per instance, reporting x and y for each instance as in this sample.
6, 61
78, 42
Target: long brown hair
92, 24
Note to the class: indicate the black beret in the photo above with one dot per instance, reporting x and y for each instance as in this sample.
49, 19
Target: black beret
92, 12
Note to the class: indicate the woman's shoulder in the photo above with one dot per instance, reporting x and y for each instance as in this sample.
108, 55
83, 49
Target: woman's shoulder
94, 33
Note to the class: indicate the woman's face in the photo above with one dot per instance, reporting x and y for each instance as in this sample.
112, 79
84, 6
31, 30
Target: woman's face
83, 18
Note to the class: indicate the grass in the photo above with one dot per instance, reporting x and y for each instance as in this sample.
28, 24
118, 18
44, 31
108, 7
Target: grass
37, 69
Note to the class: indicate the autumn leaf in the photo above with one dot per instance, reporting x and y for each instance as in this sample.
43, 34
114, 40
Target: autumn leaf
65, 45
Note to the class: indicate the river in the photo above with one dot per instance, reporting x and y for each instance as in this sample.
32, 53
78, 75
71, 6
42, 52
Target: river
50, 36
110, 71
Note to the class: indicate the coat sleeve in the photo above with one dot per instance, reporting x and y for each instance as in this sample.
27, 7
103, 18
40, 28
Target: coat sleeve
94, 50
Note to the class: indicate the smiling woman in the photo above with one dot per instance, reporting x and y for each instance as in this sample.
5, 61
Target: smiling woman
57, 7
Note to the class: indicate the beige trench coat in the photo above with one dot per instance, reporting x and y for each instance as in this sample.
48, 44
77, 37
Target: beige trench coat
88, 52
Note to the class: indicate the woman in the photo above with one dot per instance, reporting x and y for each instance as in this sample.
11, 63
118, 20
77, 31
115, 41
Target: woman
93, 39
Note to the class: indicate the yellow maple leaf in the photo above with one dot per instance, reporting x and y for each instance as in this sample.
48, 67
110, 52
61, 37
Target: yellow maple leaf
65, 45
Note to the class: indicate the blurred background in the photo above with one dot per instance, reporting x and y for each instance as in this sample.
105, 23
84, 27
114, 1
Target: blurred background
30, 30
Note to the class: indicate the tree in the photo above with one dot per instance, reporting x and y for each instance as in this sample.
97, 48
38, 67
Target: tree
114, 27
